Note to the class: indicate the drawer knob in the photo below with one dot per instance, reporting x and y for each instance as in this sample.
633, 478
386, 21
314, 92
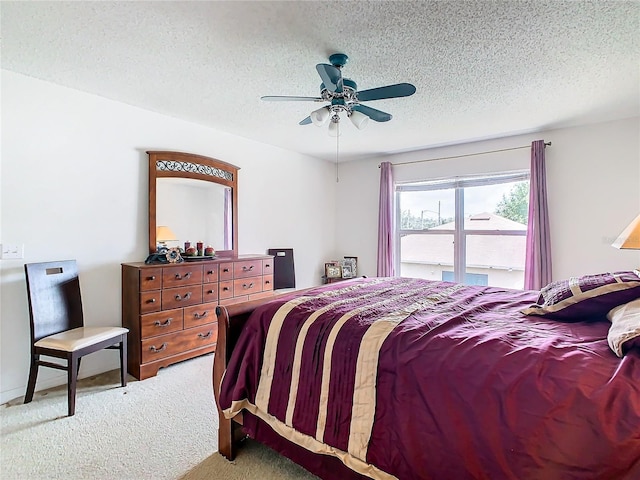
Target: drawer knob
225, 288
244, 268
244, 285
225, 270
151, 278
156, 350
201, 315
151, 300
210, 272
205, 335
187, 296
158, 323
267, 265
267, 282
183, 277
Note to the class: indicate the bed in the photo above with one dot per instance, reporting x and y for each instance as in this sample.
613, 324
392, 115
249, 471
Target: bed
414, 379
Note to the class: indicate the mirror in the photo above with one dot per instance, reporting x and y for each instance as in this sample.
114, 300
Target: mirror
196, 197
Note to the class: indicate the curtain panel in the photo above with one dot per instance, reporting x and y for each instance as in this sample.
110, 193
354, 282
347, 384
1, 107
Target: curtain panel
537, 269
386, 261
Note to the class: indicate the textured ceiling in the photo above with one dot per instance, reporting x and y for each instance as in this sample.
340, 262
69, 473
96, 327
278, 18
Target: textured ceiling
482, 69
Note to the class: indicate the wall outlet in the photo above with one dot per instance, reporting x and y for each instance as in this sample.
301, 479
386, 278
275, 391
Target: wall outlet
12, 250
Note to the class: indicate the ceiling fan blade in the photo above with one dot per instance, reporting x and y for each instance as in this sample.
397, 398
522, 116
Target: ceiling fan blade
306, 121
372, 113
331, 76
291, 99
390, 91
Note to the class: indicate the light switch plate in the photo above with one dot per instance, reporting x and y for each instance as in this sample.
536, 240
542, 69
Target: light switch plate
12, 250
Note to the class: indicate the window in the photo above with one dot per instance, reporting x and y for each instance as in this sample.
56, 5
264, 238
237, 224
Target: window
470, 230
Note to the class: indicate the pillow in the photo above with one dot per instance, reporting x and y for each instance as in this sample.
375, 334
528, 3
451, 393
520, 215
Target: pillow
586, 297
624, 332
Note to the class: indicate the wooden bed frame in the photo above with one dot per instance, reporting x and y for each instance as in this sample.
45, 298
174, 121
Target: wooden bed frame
231, 319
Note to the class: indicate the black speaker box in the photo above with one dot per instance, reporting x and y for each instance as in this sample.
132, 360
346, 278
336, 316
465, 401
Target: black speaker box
284, 273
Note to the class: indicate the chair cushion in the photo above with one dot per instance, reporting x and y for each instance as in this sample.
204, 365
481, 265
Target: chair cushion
78, 338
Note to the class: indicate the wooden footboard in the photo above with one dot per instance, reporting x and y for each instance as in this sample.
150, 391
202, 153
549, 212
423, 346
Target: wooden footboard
231, 319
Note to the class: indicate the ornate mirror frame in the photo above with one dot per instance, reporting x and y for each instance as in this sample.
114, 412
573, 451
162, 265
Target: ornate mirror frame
164, 164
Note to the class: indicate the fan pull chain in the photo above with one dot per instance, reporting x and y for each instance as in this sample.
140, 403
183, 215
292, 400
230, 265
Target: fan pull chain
337, 151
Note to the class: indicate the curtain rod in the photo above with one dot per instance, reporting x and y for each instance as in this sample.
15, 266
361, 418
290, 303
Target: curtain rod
547, 144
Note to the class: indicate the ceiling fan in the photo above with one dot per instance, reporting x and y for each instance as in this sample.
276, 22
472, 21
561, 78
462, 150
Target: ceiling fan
344, 97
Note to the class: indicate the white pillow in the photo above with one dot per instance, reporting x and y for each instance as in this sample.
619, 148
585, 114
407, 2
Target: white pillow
625, 325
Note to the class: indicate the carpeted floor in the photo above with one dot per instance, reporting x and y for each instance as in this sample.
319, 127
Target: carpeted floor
164, 427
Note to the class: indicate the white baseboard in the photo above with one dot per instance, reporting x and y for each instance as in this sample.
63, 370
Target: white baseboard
55, 381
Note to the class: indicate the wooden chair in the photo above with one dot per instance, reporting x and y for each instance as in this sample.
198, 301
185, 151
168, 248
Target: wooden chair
57, 325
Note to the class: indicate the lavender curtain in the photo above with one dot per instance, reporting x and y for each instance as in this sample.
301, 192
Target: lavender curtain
386, 266
537, 268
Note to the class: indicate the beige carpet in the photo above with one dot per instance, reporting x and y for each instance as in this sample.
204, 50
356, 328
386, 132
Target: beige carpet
164, 427
254, 461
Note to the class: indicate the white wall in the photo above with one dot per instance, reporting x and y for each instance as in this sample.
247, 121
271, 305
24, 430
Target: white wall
593, 182
74, 185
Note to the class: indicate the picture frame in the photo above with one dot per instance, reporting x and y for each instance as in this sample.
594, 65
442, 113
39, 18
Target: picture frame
332, 270
353, 263
347, 272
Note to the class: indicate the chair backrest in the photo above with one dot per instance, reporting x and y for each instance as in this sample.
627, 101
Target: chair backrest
55, 304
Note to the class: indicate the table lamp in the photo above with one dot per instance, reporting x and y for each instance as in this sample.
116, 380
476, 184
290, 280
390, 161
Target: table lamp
163, 235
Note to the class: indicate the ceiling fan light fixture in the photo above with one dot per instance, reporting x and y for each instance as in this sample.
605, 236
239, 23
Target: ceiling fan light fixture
360, 120
319, 117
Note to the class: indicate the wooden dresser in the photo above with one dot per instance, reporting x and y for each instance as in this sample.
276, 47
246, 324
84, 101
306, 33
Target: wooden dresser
170, 309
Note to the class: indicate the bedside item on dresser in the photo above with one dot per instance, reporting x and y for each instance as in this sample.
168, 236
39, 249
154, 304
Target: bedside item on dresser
333, 270
57, 325
166, 255
353, 263
163, 235
346, 271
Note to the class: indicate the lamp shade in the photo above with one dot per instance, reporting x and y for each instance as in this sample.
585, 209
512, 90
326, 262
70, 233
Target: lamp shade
319, 117
165, 234
630, 237
359, 119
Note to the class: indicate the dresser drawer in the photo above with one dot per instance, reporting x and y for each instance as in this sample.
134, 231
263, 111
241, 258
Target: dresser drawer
210, 274
182, 275
200, 314
171, 344
226, 289
209, 292
150, 301
267, 267
248, 268
181, 297
226, 271
267, 283
247, 286
150, 279
160, 323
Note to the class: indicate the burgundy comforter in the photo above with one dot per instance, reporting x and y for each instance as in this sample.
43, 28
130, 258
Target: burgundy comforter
413, 379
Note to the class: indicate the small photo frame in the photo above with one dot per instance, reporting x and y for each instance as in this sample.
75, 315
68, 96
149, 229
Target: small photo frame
332, 270
353, 263
347, 272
